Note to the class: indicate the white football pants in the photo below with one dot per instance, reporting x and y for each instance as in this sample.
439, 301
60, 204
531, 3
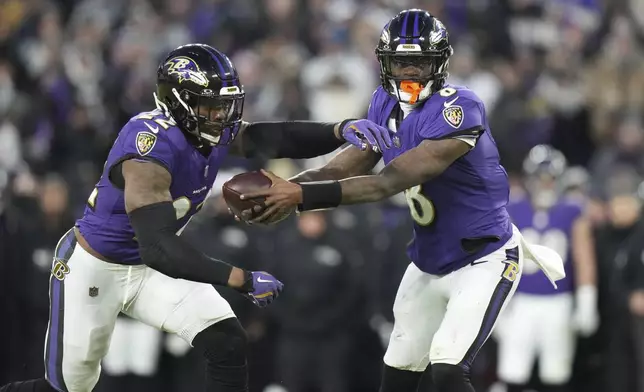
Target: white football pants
446, 319
86, 296
537, 327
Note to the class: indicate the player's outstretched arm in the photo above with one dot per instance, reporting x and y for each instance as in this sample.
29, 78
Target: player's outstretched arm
307, 139
414, 167
149, 205
586, 316
349, 162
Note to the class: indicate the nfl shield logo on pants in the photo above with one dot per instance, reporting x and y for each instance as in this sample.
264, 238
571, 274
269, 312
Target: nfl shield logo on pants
93, 291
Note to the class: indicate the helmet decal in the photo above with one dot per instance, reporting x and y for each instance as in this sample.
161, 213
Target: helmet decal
186, 69
439, 34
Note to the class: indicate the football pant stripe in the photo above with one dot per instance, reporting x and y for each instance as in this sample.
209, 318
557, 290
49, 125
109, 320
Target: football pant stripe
54, 351
501, 292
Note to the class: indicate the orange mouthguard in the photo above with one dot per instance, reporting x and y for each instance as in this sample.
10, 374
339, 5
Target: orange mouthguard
414, 88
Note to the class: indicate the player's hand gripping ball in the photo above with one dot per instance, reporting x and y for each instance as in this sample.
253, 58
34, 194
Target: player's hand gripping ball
245, 183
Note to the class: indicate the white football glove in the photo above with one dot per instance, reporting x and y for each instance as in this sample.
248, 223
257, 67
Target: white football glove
585, 316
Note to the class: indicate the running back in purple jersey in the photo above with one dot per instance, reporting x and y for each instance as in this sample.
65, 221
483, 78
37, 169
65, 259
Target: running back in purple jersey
468, 200
148, 136
551, 228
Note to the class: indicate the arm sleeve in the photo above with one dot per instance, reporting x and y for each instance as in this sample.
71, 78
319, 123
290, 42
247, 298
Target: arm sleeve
289, 139
164, 251
460, 118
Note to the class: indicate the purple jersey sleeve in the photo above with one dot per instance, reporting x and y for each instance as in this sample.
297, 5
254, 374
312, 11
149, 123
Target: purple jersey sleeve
457, 117
143, 141
372, 114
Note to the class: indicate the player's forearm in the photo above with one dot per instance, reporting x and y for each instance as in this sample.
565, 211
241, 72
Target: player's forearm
354, 190
362, 189
320, 174
367, 189
290, 139
349, 162
161, 249
393, 179
583, 253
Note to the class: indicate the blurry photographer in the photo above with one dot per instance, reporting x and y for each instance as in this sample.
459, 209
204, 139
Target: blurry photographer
619, 250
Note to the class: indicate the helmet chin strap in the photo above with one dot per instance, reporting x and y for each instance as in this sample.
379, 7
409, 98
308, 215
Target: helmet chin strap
161, 106
182, 102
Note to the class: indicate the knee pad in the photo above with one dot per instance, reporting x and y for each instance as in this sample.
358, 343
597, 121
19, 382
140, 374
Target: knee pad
39, 385
223, 342
450, 378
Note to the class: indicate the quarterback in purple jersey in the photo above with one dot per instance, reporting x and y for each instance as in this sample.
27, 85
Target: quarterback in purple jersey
466, 256
542, 321
125, 254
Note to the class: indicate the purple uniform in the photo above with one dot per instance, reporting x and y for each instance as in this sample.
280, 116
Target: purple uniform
468, 200
551, 228
149, 136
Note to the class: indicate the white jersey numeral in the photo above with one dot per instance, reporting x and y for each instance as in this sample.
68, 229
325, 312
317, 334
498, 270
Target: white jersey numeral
421, 208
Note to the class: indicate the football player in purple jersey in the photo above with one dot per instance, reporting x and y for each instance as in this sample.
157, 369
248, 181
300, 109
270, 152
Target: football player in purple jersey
541, 323
125, 254
466, 256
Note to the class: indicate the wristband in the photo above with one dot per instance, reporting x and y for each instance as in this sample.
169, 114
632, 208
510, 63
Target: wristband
320, 195
248, 285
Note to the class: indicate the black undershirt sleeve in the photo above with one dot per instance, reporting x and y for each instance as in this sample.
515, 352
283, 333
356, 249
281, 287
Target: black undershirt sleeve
164, 251
289, 139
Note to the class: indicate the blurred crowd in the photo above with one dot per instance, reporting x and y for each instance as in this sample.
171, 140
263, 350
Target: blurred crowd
569, 73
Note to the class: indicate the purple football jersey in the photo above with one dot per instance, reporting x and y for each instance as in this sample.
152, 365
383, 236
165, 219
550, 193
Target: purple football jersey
551, 228
150, 136
468, 200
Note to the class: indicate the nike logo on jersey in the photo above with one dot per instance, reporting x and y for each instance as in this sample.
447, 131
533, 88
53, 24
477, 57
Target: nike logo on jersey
154, 130
476, 262
450, 103
260, 280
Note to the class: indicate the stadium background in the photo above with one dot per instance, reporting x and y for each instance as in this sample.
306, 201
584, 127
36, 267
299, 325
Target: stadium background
565, 72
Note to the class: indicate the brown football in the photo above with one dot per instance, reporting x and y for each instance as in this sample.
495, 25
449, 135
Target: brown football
244, 183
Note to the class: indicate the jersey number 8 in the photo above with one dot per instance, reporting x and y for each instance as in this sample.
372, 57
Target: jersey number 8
421, 208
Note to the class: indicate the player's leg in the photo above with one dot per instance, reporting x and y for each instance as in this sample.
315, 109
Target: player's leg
418, 311
199, 315
518, 335
477, 295
83, 309
557, 342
